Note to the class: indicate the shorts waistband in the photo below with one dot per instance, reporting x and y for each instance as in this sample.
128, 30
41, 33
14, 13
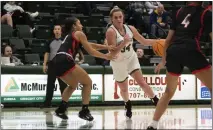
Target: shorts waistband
64, 54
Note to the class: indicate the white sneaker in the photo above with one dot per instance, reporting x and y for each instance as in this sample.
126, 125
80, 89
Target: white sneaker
2, 106
32, 30
33, 15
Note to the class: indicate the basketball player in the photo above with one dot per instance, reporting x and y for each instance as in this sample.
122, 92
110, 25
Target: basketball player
126, 62
182, 49
71, 73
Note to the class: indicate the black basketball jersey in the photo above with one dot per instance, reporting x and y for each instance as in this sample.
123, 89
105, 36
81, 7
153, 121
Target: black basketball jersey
70, 45
189, 31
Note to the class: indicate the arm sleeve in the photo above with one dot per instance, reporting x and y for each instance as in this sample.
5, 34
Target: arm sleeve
208, 22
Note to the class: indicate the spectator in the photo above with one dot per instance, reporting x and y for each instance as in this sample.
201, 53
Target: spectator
7, 52
6, 18
19, 15
143, 60
158, 21
135, 15
151, 6
48, 67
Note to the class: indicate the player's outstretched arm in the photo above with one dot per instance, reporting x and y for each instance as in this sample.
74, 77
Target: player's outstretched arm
111, 41
83, 40
141, 39
97, 46
168, 41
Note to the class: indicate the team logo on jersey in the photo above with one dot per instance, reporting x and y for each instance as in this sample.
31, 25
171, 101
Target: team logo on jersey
11, 86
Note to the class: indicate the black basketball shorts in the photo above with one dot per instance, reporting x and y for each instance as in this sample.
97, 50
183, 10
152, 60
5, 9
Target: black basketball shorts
63, 64
194, 60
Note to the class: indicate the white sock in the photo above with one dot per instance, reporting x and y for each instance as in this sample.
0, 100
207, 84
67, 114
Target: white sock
154, 124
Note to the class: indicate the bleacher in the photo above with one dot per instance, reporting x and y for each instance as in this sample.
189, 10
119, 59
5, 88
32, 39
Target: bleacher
52, 12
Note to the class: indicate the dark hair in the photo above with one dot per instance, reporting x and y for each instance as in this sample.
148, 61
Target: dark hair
115, 9
4, 47
52, 28
56, 25
194, 10
69, 22
197, 2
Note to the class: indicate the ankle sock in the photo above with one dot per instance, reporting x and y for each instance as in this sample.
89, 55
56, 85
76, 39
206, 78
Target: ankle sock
154, 124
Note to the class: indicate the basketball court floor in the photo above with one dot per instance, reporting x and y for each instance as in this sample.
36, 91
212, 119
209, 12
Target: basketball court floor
176, 117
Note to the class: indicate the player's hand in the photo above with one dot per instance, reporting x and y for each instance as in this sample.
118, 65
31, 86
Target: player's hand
111, 47
159, 66
45, 69
109, 56
126, 38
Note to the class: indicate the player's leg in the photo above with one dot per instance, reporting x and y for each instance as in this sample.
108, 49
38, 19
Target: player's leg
123, 85
72, 74
78, 75
121, 78
72, 82
205, 77
201, 68
62, 85
174, 68
116, 91
135, 71
137, 75
72, 78
162, 105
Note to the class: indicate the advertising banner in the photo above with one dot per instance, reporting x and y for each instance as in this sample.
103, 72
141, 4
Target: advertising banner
204, 118
203, 92
32, 88
185, 88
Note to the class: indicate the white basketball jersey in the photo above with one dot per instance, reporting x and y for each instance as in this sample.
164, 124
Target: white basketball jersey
128, 50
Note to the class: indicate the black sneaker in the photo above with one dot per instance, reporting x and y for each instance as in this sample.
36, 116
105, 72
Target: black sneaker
61, 113
155, 100
128, 109
85, 114
151, 128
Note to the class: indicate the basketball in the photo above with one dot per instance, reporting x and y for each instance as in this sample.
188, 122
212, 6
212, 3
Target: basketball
158, 47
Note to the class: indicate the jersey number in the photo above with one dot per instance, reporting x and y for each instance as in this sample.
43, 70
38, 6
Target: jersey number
186, 21
126, 48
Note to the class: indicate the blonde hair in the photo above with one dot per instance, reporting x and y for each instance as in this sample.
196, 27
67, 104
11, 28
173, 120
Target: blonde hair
115, 9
